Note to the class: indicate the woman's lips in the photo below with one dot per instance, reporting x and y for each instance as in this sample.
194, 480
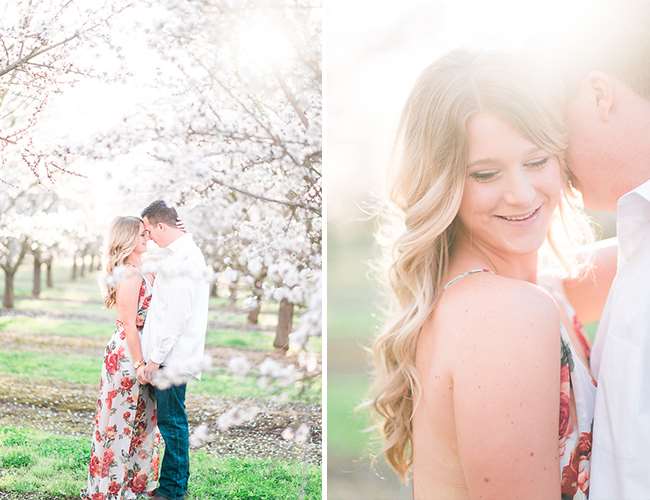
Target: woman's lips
522, 217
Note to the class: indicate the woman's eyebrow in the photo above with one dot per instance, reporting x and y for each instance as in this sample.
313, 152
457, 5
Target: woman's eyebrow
481, 161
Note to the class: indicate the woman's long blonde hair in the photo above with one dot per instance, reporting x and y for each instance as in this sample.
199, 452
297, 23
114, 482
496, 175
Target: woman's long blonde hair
122, 240
426, 194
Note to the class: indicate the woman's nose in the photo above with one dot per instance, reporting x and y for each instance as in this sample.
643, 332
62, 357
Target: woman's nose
520, 190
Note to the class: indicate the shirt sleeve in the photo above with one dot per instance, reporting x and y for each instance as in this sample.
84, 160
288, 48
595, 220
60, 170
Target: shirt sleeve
177, 300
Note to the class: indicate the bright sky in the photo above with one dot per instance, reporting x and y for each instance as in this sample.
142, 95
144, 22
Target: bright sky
375, 50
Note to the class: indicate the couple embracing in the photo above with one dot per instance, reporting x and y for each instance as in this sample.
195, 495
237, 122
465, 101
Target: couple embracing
159, 335
487, 387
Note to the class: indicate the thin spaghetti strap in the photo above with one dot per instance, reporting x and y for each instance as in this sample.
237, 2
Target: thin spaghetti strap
463, 275
146, 281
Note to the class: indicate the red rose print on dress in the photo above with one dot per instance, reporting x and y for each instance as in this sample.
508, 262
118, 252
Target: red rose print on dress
94, 466
139, 482
112, 363
109, 398
107, 461
127, 383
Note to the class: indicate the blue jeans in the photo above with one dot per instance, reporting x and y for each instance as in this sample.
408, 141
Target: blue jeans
172, 422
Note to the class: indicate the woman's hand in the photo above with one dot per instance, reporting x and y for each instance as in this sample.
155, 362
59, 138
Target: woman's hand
140, 374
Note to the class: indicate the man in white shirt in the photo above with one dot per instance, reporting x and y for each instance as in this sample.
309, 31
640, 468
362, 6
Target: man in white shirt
173, 338
608, 120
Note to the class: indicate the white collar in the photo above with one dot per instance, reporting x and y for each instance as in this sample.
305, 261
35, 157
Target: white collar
180, 242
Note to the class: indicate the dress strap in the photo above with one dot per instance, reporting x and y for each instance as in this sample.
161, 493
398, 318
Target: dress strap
463, 275
146, 281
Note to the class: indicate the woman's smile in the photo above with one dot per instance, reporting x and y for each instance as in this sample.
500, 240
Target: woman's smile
522, 219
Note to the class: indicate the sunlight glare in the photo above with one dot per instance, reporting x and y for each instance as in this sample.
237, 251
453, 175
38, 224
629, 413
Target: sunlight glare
261, 45
510, 24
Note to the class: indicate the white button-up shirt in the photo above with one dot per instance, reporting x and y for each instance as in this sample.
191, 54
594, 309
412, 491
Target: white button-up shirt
177, 319
620, 361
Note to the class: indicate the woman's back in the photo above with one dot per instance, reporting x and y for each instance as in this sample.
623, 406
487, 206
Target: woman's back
489, 369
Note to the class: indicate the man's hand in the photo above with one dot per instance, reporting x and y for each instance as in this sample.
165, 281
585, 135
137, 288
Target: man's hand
140, 375
150, 369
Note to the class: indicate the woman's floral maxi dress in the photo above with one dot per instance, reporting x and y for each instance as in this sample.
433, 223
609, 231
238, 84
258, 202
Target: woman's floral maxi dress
124, 455
577, 401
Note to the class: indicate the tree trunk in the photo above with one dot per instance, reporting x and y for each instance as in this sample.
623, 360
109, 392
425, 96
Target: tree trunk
214, 290
8, 299
36, 285
285, 324
49, 282
232, 289
74, 267
82, 271
92, 262
254, 314
99, 263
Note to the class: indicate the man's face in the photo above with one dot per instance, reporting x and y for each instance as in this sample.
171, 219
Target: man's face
588, 157
605, 122
155, 231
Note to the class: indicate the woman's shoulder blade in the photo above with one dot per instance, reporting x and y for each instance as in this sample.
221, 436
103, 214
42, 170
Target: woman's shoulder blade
496, 303
129, 283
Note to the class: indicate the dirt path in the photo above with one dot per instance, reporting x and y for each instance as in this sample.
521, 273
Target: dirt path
69, 410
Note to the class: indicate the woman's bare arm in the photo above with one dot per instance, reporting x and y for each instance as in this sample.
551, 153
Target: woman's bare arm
128, 293
507, 391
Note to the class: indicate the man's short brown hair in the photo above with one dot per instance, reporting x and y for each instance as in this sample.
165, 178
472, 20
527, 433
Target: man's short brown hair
158, 211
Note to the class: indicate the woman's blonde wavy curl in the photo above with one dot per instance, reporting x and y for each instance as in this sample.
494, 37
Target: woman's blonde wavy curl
122, 240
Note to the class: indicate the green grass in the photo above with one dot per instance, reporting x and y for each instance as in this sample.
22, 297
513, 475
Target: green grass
254, 339
80, 369
345, 393
56, 466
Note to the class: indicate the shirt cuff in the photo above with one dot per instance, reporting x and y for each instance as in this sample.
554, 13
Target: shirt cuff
158, 357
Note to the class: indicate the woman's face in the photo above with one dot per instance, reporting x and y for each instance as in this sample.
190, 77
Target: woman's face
511, 189
141, 241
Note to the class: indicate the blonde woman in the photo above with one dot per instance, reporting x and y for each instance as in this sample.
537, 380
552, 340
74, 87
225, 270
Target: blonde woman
483, 386
124, 452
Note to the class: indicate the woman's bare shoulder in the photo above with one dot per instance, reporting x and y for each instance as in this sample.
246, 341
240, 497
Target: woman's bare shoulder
487, 301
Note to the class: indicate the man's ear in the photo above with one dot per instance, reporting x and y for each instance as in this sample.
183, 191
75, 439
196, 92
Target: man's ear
602, 90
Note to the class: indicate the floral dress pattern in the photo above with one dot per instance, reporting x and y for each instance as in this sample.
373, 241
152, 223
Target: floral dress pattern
576, 421
124, 455
577, 400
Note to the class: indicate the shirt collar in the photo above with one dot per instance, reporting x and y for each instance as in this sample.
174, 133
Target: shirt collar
633, 217
180, 243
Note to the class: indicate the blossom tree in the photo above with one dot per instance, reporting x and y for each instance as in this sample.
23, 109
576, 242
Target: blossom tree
44, 49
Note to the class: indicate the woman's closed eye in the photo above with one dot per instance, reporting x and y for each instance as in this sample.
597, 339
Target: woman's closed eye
484, 175
537, 163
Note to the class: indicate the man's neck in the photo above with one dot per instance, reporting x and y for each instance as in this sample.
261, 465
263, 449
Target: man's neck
174, 236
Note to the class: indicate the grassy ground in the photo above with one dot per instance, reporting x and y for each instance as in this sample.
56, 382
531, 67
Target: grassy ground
50, 360
351, 323
55, 467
